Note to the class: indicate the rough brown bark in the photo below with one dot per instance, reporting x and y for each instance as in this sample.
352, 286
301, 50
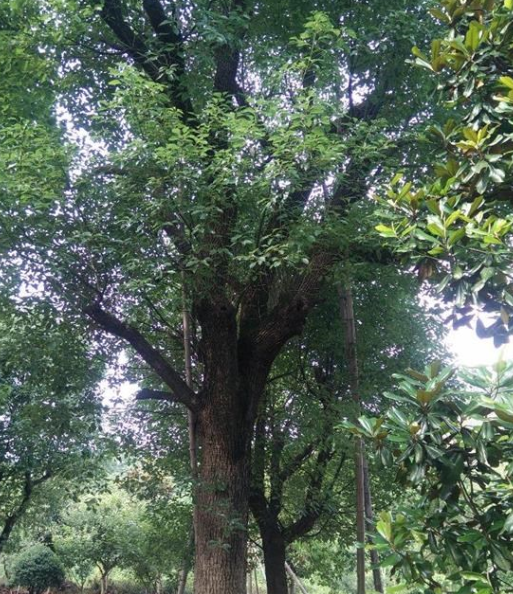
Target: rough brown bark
221, 505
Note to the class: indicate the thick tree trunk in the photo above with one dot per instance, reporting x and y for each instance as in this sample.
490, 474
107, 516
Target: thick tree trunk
274, 560
222, 501
236, 352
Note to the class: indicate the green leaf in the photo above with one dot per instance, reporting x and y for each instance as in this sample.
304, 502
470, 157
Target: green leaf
390, 560
507, 81
385, 231
455, 236
508, 524
473, 36
384, 525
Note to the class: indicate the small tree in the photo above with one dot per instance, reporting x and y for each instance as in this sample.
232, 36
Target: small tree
99, 534
37, 569
74, 548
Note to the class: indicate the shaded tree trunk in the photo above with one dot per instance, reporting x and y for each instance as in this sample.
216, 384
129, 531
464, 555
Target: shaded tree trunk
186, 564
266, 508
274, 546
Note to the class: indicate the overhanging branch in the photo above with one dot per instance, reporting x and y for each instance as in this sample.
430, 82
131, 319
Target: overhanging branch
147, 394
180, 392
227, 57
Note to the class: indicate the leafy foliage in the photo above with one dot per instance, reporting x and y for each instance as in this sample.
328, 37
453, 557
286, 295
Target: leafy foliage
452, 445
49, 413
145, 533
37, 569
459, 225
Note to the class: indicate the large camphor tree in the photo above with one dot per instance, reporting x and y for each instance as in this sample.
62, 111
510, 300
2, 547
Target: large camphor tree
156, 149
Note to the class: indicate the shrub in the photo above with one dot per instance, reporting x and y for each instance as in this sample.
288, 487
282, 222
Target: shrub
37, 569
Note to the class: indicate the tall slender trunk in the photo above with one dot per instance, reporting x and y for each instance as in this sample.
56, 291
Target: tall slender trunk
376, 570
347, 314
295, 581
104, 581
186, 563
193, 445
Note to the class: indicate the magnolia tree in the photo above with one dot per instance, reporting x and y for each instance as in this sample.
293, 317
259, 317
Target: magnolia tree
459, 225
451, 443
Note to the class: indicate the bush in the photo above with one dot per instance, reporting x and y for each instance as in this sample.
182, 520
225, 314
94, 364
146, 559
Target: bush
37, 569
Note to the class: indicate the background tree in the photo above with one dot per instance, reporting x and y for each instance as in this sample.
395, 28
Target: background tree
303, 480
106, 530
165, 521
49, 412
38, 569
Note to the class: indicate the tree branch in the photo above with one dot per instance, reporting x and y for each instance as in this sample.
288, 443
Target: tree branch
11, 520
134, 44
288, 317
180, 391
148, 394
296, 461
165, 28
157, 65
227, 58
313, 500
